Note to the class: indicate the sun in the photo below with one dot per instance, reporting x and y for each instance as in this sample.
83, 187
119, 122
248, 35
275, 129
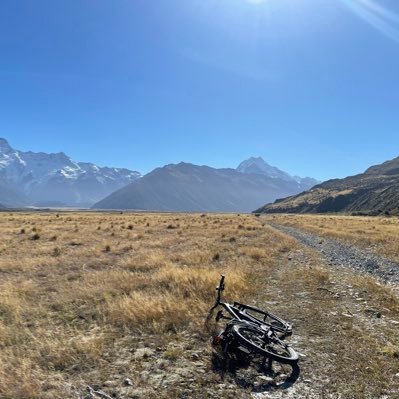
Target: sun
255, 1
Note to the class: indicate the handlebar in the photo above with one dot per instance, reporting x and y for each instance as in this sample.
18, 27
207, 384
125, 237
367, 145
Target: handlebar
219, 290
221, 284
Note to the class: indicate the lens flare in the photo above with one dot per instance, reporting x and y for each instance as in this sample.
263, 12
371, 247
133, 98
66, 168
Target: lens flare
377, 16
256, 1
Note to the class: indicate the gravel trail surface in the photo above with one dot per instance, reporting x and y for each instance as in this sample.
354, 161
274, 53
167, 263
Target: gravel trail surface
340, 254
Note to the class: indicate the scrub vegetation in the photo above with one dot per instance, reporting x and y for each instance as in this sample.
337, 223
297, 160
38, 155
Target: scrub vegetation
117, 302
379, 234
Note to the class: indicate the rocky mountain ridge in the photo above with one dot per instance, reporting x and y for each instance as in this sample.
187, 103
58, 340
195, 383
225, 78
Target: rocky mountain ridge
55, 180
373, 192
38, 178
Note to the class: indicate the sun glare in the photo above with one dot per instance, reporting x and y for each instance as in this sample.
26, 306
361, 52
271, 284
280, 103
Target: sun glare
378, 16
255, 1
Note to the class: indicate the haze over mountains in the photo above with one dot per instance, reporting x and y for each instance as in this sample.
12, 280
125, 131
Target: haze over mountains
256, 165
187, 187
55, 180
30, 178
373, 192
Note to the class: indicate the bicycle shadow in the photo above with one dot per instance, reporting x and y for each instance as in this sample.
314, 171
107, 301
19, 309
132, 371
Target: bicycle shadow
257, 375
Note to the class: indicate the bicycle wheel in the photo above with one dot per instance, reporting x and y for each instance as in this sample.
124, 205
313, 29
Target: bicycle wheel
266, 318
256, 340
278, 324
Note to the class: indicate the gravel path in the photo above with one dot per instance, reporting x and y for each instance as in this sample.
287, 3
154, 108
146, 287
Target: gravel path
340, 254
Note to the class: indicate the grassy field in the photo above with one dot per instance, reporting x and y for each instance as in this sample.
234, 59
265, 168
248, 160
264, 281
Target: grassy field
91, 299
378, 234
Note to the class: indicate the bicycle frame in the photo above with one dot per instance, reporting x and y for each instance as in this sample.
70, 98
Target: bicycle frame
252, 331
238, 312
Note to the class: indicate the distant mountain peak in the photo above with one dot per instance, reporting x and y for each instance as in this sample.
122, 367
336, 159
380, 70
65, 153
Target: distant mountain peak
54, 178
187, 187
257, 159
257, 165
5, 146
253, 161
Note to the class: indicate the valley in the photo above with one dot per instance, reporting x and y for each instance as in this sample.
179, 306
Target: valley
117, 302
150, 151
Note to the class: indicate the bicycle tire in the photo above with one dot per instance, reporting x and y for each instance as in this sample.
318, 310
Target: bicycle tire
276, 323
253, 338
270, 319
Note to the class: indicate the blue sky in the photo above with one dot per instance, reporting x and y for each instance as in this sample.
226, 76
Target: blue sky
310, 85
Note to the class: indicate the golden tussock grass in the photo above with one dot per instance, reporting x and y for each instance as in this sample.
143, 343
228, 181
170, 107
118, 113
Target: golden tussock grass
378, 234
74, 309
88, 279
176, 298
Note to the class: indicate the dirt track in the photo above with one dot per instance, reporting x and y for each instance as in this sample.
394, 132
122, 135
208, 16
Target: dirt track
339, 254
349, 305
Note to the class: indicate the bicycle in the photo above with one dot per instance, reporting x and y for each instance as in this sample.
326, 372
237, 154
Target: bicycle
252, 330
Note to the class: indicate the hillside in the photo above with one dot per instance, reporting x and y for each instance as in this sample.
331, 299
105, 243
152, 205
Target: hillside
375, 191
187, 187
10, 197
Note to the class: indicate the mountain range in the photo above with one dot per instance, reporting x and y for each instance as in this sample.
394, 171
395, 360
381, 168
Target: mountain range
41, 179
187, 187
55, 180
373, 192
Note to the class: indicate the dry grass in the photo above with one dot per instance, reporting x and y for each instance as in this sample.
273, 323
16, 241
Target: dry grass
88, 279
335, 314
379, 234
81, 304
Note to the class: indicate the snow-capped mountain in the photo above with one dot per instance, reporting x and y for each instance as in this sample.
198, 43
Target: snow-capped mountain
256, 165
55, 179
185, 187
